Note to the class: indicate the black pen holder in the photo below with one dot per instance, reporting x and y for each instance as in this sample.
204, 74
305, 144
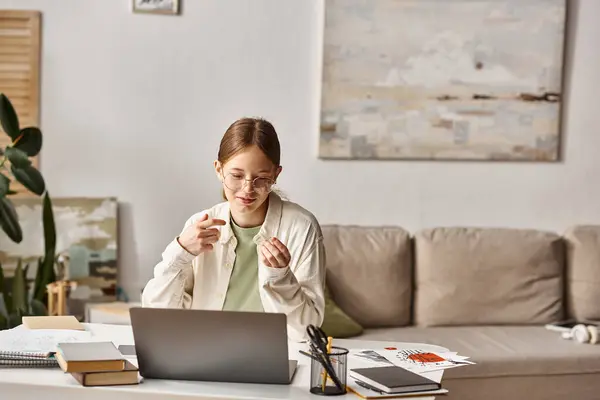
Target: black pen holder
321, 382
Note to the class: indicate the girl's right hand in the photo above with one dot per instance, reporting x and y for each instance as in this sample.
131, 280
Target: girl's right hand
200, 237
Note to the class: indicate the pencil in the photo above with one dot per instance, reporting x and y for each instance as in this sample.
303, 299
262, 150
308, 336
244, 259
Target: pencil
329, 342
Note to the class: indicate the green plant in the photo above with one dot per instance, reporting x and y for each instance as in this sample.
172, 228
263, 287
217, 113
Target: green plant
26, 142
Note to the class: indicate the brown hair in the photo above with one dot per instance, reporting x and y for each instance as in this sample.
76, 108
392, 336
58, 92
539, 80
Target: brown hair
247, 132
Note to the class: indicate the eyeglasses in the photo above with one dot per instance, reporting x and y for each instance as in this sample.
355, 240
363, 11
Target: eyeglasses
236, 182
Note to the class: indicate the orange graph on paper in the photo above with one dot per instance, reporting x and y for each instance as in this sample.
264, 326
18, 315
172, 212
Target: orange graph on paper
425, 358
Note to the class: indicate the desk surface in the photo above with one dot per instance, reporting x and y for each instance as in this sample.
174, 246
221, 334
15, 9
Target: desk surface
31, 383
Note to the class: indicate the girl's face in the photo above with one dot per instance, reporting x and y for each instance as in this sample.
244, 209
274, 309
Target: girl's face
247, 179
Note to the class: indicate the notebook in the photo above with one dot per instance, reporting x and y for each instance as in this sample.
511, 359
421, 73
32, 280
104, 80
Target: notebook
25, 359
393, 379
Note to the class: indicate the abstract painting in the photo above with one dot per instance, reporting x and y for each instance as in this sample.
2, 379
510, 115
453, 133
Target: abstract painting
86, 233
442, 79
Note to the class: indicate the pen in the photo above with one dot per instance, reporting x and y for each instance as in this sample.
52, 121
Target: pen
309, 355
329, 342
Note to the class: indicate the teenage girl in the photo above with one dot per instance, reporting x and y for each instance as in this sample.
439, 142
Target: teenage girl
253, 252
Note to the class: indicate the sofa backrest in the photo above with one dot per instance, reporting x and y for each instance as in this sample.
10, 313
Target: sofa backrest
369, 273
583, 272
383, 276
477, 276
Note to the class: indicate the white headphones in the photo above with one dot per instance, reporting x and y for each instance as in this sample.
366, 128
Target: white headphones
582, 334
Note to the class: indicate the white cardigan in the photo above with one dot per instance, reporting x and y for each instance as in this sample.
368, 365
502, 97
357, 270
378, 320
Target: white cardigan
182, 280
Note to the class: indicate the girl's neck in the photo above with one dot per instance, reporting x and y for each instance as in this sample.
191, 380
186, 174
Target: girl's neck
253, 219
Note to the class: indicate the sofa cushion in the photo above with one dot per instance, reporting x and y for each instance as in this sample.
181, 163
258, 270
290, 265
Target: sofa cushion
511, 361
583, 272
369, 273
336, 322
479, 276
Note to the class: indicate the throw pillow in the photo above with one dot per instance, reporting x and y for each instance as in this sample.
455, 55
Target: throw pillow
336, 322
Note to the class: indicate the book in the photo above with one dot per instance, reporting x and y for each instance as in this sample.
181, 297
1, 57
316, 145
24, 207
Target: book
128, 376
89, 357
393, 379
52, 322
364, 392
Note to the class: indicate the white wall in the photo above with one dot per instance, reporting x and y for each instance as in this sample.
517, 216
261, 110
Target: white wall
134, 106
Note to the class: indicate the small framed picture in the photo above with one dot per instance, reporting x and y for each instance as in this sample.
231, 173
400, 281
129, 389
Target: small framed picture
156, 6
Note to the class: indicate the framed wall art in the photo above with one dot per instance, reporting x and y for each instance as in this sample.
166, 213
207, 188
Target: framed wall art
442, 79
156, 6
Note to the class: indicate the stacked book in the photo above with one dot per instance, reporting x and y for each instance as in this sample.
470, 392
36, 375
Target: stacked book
96, 364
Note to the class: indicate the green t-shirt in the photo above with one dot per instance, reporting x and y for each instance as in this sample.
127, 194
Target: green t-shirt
242, 293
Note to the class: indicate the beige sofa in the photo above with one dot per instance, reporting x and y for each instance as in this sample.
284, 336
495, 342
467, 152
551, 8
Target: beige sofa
483, 292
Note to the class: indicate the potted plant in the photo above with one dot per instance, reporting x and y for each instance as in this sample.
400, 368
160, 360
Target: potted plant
18, 298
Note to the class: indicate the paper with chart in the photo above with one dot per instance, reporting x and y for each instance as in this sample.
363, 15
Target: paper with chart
21, 339
419, 361
416, 360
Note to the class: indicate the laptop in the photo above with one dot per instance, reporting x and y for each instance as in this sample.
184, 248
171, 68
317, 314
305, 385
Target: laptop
209, 345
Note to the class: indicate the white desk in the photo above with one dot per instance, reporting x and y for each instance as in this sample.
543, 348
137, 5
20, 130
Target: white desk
36, 384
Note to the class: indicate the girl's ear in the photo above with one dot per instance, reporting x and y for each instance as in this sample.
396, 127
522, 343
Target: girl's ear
278, 171
218, 169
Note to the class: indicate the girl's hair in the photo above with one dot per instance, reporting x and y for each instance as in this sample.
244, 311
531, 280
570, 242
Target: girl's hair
247, 132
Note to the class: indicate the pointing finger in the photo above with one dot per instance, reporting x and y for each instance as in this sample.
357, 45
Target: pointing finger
210, 222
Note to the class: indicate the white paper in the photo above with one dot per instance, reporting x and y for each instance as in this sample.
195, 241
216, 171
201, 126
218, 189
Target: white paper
369, 357
21, 339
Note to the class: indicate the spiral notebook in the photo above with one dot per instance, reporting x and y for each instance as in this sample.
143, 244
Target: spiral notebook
27, 359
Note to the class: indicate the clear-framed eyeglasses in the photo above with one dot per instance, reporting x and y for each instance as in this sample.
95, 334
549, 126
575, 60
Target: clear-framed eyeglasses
236, 182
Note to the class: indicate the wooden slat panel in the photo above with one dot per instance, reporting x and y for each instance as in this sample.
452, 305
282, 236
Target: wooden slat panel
14, 23
19, 75
14, 92
19, 71
15, 32
15, 41
15, 50
14, 83
12, 67
15, 58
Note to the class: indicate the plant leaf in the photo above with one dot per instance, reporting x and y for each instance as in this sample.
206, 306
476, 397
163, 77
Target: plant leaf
4, 185
38, 308
15, 319
17, 157
5, 291
9, 220
19, 290
31, 178
8, 117
30, 141
48, 274
38, 278
3, 322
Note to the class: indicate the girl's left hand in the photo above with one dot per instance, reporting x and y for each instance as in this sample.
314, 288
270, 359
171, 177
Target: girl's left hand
274, 254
